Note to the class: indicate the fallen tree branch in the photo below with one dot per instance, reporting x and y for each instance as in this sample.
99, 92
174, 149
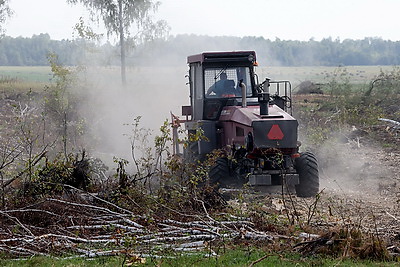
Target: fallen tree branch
32, 210
99, 199
391, 121
36, 161
122, 216
392, 216
127, 228
260, 260
18, 222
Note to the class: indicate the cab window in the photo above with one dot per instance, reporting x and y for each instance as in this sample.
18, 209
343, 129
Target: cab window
224, 82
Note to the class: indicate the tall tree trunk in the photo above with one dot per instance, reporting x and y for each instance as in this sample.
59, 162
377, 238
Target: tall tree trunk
122, 43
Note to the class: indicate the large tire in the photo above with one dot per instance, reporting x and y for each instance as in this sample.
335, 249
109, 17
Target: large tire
307, 168
224, 174
219, 173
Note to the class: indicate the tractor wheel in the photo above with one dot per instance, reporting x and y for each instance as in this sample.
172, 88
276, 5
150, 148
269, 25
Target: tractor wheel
219, 173
223, 174
307, 168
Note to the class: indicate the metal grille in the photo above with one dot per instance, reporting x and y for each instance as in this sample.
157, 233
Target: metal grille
211, 76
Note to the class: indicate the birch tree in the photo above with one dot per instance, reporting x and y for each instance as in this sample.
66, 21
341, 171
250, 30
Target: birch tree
5, 12
126, 19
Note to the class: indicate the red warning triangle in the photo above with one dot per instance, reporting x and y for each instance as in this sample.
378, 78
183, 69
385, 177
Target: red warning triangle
275, 133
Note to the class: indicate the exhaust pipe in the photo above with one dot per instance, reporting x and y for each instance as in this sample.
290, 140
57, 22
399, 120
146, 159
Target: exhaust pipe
244, 96
263, 98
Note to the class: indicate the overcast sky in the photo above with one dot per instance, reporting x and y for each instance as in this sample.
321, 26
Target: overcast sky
284, 19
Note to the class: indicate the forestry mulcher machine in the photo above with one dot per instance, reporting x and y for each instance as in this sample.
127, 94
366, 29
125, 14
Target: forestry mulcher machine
250, 122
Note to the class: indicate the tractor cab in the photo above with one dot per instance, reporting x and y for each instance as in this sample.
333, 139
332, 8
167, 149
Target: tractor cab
217, 79
220, 79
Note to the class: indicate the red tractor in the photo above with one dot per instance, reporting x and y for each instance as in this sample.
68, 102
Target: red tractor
250, 122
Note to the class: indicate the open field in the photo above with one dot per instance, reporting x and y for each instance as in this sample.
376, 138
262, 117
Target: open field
22, 78
359, 74
36, 78
41, 74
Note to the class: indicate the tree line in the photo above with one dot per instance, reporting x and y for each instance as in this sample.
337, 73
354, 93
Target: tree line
172, 51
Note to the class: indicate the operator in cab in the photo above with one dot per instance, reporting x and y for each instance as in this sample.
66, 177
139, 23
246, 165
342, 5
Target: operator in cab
222, 88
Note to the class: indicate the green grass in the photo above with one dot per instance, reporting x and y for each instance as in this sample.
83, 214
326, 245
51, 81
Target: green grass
40, 74
236, 257
23, 79
48, 261
321, 74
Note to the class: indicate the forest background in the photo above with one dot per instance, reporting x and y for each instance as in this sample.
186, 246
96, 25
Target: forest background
22, 51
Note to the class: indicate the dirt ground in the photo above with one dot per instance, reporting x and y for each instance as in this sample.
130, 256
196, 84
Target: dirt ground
360, 189
363, 184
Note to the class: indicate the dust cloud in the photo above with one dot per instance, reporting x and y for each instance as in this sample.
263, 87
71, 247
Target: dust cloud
354, 167
155, 87
151, 92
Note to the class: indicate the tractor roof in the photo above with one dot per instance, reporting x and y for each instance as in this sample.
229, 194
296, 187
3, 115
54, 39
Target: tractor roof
215, 57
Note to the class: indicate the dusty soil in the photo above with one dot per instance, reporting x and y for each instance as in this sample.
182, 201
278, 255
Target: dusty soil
360, 189
362, 185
